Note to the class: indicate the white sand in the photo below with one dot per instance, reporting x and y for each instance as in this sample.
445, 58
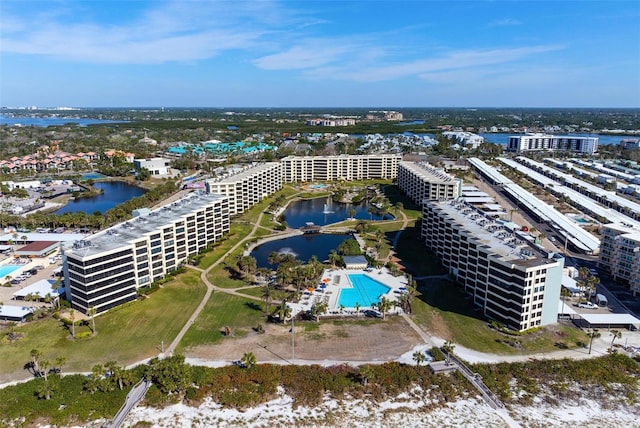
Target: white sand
406, 410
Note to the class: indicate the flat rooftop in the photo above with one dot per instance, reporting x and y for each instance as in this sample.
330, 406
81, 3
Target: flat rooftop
428, 172
505, 244
242, 173
123, 234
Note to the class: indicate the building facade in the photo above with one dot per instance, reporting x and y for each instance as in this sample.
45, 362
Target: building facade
158, 167
341, 167
542, 142
510, 279
104, 270
422, 181
620, 254
248, 186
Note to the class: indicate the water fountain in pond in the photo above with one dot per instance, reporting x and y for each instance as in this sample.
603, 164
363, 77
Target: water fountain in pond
287, 251
327, 207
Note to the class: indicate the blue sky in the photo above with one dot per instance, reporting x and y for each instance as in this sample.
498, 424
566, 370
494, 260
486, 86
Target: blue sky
331, 53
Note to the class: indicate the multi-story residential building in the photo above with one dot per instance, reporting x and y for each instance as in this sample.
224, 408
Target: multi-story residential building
630, 143
620, 253
509, 278
158, 167
104, 270
247, 186
422, 181
341, 167
540, 142
467, 139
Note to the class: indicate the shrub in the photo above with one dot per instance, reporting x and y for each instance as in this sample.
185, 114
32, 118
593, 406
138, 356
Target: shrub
437, 354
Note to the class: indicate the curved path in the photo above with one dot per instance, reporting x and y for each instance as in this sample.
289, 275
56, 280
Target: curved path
211, 288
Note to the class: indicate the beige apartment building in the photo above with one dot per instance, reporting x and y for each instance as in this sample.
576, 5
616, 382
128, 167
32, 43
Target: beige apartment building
510, 279
341, 167
421, 181
247, 186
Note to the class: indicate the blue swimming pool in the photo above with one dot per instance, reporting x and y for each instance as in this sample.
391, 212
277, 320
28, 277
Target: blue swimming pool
7, 269
366, 291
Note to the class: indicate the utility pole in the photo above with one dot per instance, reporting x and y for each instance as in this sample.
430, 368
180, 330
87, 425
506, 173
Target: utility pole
293, 342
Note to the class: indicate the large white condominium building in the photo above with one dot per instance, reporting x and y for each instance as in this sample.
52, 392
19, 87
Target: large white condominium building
541, 142
511, 280
341, 167
247, 186
620, 253
422, 181
105, 270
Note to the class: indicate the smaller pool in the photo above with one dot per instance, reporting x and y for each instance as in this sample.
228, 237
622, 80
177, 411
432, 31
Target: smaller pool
366, 291
7, 269
581, 220
318, 186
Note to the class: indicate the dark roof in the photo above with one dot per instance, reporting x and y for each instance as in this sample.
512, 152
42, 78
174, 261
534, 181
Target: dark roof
38, 246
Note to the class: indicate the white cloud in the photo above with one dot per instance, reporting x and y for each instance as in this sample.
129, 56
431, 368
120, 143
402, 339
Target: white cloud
175, 31
456, 60
507, 22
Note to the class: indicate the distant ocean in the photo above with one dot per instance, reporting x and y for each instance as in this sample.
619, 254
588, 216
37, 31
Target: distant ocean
603, 140
50, 121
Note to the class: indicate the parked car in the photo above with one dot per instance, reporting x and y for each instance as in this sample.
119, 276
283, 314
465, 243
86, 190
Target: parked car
587, 305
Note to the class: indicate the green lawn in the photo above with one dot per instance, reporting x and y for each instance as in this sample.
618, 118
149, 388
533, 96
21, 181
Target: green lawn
220, 277
126, 334
237, 232
443, 310
222, 309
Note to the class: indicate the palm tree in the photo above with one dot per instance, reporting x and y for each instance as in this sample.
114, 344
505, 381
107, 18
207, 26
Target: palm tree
35, 355
248, 360
284, 311
352, 212
44, 365
564, 293
45, 389
448, 349
91, 312
72, 315
419, 357
266, 295
357, 306
383, 306
334, 258
593, 334
59, 362
616, 334
371, 211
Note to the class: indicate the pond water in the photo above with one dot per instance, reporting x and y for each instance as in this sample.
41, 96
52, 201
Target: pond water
115, 193
322, 211
302, 247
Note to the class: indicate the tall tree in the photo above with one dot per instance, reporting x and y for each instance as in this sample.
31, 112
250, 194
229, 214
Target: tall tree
35, 356
91, 312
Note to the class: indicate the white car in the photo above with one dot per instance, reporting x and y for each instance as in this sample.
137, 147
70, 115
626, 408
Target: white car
587, 305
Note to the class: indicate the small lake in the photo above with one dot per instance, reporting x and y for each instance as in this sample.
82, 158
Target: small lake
51, 121
115, 193
302, 247
322, 211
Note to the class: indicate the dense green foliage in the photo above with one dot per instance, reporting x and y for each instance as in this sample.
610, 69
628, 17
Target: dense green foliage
558, 379
74, 400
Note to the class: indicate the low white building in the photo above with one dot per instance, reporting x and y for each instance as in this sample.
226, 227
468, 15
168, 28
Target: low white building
158, 167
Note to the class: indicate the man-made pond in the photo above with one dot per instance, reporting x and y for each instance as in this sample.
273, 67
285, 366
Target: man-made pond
302, 247
115, 193
322, 211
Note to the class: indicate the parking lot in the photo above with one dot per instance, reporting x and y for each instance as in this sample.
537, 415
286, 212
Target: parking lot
46, 272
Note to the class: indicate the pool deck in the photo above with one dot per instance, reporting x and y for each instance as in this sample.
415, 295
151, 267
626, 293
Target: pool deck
334, 280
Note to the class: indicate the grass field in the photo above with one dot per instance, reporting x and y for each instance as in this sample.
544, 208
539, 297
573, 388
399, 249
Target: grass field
126, 334
222, 310
443, 310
